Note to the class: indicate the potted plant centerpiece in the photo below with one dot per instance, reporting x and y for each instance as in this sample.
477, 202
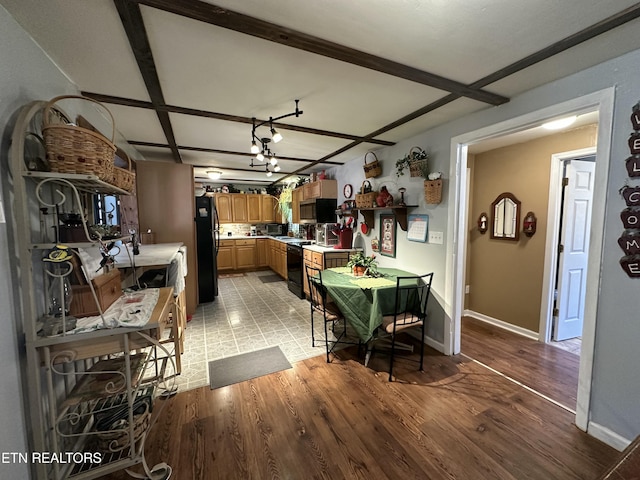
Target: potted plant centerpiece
362, 264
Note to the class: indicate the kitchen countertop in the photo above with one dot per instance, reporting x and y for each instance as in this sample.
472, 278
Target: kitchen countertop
318, 248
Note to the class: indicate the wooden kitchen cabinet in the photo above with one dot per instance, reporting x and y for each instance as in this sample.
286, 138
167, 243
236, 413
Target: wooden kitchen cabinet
223, 206
226, 258
321, 189
245, 254
322, 260
269, 209
254, 207
262, 259
239, 208
296, 197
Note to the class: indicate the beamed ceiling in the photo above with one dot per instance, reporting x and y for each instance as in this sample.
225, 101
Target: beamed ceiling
184, 78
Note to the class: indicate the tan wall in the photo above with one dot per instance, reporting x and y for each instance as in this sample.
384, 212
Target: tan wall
505, 277
166, 205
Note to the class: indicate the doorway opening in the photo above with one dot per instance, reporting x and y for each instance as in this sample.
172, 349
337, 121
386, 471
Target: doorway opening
602, 102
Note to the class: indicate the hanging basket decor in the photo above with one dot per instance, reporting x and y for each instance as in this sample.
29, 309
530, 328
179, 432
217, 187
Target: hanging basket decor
418, 162
373, 168
367, 197
433, 188
73, 149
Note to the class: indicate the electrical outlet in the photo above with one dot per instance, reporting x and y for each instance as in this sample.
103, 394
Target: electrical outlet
467, 289
436, 237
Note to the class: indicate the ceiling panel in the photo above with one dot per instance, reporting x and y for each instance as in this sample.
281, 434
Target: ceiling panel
204, 67
86, 40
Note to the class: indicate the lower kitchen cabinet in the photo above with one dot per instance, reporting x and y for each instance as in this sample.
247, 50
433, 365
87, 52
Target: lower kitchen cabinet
262, 258
226, 259
322, 260
245, 254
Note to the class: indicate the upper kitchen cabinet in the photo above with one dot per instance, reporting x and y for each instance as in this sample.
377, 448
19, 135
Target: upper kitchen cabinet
270, 209
320, 189
254, 208
223, 206
246, 208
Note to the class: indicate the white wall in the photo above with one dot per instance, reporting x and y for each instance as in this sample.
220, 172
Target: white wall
616, 377
27, 74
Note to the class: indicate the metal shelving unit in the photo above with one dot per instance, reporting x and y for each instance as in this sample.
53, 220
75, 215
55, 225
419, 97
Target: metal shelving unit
59, 366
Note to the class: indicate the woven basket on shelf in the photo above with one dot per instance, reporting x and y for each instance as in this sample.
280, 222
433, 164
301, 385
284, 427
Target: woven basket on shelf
125, 178
433, 191
73, 149
372, 169
417, 162
367, 198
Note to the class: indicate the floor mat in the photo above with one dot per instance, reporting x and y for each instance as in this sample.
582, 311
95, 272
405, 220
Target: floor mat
230, 275
246, 366
271, 278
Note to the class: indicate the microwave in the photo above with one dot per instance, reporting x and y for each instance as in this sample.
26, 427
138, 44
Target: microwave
274, 229
318, 210
325, 236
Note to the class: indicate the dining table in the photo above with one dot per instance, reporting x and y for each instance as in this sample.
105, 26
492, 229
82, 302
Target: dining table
363, 300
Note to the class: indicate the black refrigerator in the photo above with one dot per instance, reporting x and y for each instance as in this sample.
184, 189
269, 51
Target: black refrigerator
207, 242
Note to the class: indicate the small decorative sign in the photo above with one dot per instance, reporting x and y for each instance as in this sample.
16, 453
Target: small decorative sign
631, 195
418, 227
634, 143
630, 243
388, 228
631, 265
630, 217
633, 166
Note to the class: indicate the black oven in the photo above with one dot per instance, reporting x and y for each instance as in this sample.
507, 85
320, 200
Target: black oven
295, 265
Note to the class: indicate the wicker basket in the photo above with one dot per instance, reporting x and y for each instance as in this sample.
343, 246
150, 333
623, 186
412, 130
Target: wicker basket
118, 438
433, 191
125, 178
73, 149
372, 169
417, 162
368, 199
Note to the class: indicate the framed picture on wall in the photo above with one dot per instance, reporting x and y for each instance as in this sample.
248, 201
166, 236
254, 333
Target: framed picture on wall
388, 233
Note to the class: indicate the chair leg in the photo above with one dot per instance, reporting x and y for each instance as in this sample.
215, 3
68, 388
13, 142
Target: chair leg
326, 340
422, 349
393, 351
313, 333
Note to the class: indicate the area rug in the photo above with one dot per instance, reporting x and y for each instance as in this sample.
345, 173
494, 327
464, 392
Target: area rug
246, 366
230, 275
270, 278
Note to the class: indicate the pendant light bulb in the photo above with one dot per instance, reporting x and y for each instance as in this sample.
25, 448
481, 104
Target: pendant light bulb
276, 136
273, 160
260, 156
277, 168
269, 173
254, 147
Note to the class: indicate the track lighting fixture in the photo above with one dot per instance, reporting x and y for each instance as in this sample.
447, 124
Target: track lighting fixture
259, 145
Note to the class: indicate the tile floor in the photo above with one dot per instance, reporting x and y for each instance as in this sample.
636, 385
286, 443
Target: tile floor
248, 315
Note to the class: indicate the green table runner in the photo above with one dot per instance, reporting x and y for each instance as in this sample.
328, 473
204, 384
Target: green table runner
363, 300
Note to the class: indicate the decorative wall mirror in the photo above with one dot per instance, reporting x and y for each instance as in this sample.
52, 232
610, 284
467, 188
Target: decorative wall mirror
505, 217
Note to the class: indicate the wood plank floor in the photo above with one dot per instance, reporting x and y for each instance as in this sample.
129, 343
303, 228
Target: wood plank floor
549, 370
455, 420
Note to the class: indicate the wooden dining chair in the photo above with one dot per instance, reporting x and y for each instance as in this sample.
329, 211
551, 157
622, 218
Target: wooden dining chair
331, 314
410, 311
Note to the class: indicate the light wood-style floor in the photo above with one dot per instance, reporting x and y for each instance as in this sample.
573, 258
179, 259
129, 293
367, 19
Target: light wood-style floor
455, 420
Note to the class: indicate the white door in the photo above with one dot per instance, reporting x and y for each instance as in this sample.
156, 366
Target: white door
572, 265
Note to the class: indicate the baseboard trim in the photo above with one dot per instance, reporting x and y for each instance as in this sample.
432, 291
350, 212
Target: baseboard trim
607, 436
500, 324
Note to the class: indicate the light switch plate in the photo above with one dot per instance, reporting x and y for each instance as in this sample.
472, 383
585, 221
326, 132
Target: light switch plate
436, 237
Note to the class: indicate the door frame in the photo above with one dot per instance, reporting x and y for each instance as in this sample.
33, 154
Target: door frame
457, 226
553, 237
